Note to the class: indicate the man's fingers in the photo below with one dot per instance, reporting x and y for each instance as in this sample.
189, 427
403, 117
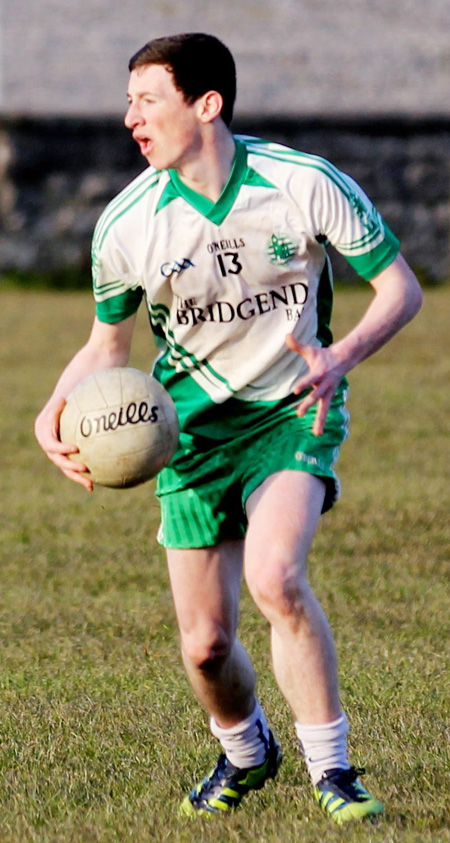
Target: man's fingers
319, 421
57, 447
47, 434
66, 464
318, 391
316, 380
292, 343
75, 471
81, 478
304, 351
323, 404
304, 405
304, 383
321, 414
57, 409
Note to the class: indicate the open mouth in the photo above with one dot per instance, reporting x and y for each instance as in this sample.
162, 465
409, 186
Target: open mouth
145, 144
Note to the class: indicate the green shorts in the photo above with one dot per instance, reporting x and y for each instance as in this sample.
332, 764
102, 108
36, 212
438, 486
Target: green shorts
204, 491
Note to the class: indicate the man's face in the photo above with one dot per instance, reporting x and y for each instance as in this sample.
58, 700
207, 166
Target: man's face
163, 124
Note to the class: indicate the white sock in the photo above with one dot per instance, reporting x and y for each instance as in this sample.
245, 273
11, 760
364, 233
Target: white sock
324, 747
245, 744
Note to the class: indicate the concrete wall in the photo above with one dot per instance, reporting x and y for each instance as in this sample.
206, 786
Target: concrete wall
59, 174
363, 82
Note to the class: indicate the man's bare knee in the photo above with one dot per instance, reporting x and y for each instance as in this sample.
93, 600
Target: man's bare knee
279, 590
207, 652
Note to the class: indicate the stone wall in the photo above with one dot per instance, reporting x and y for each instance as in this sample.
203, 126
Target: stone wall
57, 174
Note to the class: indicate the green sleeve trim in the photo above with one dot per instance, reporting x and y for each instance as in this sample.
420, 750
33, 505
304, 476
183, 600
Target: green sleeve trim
373, 262
117, 308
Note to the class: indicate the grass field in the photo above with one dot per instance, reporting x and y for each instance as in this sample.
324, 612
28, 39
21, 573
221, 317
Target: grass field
100, 737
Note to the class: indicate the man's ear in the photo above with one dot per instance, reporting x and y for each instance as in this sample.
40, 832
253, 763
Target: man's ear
209, 106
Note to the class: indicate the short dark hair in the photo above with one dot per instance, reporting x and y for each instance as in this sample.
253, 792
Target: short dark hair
198, 63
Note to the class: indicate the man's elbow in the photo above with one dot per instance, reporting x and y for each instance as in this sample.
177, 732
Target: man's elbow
415, 298
409, 289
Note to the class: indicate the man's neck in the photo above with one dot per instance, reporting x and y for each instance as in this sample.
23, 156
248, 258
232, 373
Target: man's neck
209, 168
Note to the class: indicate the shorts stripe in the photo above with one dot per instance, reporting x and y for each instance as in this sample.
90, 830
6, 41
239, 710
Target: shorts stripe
189, 519
203, 503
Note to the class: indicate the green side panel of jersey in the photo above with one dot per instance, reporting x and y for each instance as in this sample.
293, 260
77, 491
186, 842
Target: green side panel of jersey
372, 263
190, 399
178, 356
117, 308
325, 306
200, 416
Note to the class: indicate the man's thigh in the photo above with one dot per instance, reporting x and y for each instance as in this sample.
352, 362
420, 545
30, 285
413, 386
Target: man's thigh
206, 585
283, 514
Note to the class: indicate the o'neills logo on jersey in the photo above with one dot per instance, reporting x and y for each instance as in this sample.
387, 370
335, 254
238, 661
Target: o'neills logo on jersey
290, 297
222, 245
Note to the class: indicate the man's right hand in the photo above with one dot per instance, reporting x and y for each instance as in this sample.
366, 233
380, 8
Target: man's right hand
107, 346
46, 430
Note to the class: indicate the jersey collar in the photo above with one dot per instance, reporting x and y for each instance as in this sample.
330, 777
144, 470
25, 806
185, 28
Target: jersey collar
216, 211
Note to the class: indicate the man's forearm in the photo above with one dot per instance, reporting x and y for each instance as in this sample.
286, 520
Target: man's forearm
398, 298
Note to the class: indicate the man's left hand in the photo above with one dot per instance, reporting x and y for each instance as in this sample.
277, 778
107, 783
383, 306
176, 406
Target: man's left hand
323, 377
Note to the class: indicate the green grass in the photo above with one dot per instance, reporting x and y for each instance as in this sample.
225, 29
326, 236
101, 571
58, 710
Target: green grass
100, 737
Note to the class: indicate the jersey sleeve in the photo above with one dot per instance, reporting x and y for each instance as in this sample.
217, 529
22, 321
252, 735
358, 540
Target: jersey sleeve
344, 216
117, 292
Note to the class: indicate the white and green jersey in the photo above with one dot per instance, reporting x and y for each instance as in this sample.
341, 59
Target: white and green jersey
225, 282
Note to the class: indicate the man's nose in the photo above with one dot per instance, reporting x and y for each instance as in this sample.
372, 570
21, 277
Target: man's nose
132, 116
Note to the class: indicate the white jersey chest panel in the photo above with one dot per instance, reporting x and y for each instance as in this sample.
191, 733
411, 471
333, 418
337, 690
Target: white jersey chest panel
234, 291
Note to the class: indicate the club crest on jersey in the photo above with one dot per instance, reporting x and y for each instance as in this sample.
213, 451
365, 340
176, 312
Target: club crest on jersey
368, 216
281, 249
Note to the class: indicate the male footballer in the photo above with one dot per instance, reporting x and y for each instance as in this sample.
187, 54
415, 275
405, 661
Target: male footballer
225, 238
